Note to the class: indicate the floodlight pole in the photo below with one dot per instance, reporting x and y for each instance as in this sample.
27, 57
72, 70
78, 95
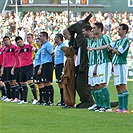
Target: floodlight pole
68, 10
3, 10
16, 18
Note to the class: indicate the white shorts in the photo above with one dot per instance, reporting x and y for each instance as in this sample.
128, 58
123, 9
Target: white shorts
104, 72
120, 74
92, 80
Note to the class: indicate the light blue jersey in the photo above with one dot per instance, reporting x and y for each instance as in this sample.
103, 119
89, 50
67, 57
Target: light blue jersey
37, 60
46, 52
59, 54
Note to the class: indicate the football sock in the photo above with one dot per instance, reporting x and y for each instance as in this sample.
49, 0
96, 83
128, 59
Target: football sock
7, 84
92, 92
51, 93
106, 97
24, 92
20, 92
61, 94
96, 97
120, 100
12, 91
100, 96
44, 94
40, 93
125, 99
33, 89
17, 91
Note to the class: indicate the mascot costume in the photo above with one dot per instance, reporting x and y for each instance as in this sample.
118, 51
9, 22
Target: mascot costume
81, 67
68, 77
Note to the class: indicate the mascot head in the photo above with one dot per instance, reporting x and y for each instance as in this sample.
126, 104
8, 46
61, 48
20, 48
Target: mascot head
77, 27
68, 51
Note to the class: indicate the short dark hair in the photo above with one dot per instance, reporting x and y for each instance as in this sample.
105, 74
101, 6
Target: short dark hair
124, 27
18, 38
87, 27
30, 34
99, 25
59, 36
44, 34
6, 37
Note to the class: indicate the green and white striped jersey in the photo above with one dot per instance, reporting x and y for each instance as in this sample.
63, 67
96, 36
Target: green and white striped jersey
122, 45
92, 56
103, 55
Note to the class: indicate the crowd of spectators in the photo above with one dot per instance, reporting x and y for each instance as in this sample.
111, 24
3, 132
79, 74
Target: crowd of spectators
54, 22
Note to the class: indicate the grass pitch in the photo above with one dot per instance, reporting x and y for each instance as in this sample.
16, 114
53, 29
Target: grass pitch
30, 118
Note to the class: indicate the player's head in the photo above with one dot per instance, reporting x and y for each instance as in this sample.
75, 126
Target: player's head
7, 41
19, 41
58, 38
86, 30
97, 28
123, 29
66, 34
30, 38
38, 42
43, 36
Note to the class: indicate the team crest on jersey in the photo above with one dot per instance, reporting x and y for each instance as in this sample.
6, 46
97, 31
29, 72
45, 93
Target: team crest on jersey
25, 50
116, 47
36, 57
58, 53
42, 51
10, 50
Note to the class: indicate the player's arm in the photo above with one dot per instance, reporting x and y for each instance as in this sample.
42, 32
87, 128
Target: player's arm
40, 69
53, 56
13, 68
116, 52
100, 48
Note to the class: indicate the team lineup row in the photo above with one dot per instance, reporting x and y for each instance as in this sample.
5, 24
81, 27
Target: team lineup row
17, 67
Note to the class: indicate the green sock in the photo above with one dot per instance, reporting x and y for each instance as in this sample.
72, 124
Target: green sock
120, 100
92, 91
125, 99
100, 95
96, 97
106, 97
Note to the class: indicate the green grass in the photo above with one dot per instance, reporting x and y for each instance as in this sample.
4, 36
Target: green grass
30, 118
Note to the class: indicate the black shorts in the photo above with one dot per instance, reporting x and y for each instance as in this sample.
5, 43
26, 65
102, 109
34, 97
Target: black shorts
18, 74
26, 73
58, 72
37, 78
47, 72
7, 76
